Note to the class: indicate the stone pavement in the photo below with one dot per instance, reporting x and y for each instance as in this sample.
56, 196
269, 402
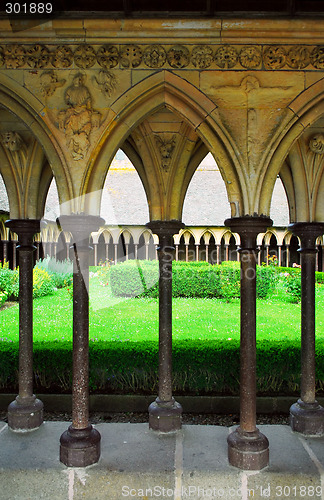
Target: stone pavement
138, 463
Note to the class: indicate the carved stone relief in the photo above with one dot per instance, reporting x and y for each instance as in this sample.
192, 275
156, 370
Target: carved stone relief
166, 148
154, 56
130, 56
178, 56
49, 83
202, 56
85, 56
225, 57
316, 144
106, 81
79, 118
12, 141
250, 57
108, 56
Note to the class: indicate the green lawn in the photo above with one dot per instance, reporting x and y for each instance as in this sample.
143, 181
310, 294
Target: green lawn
137, 319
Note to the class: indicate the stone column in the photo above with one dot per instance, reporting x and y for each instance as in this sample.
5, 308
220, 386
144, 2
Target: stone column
267, 253
116, 254
14, 254
197, 252
135, 251
95, 254
26, 412
226, 252
259, 248
80, 444
126, 251
307, 416
279, 255
165, 413
187, 252
206, 246
176, 253
287, 255
54, 249
247, 447
5, 250
217, 253
107, 251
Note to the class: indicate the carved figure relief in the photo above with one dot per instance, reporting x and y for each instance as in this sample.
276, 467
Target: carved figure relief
49, 83
130, 56
298, 57
79, 118
226, 57
14, 56
317, 57
316, 144
250, 57
12, 141
106, 82
84, 56
178, 56
166, 148
107, 56
154, 56
274, 57
62, 57
202, 56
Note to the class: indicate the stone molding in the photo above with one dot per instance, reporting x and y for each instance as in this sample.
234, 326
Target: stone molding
154, 56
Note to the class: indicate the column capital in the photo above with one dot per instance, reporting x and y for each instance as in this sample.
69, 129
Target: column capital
307, 233
26, 229
248, 227
165, 227
80, 225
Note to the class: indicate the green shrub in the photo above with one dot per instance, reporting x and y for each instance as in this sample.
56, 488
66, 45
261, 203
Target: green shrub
209, 367
8, 279
43, 283
293, 285
319, 277
267, 277
3, 298
60, 271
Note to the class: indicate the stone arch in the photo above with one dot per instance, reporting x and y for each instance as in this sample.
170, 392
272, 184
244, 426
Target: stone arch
21, 103
302, 112
165, 89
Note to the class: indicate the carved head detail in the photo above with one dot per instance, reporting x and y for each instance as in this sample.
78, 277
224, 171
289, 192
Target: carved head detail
12, 141
316, 144
166, 147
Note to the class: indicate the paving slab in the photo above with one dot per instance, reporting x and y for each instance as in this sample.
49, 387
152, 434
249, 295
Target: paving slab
138, 463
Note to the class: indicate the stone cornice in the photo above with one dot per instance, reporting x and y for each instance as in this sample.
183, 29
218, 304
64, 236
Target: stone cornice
155, 56
183, 31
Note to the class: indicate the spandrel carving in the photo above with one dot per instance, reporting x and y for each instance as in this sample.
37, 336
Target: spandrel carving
166, 147
49, 83
298, 57
14, 56
202, 56
226, 57
178, 56
37, 56
154, 56
62, 57
250, 57
130, 56
316, 144
106, 81
12, 141
274, 57
108, 56
85, 56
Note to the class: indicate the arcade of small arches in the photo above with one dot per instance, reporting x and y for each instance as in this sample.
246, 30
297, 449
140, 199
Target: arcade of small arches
254, 99
213, 244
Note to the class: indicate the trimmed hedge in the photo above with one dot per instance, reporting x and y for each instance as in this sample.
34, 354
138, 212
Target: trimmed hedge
209, 367
190, 279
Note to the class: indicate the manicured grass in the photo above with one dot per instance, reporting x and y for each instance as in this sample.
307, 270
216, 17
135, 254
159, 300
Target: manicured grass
116, 319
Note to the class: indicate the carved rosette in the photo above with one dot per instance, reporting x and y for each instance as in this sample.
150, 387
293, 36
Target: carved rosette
85, 56
274, 57
316, 144
62, 57
298, 57
202, 56
317, 57
108, 56
155, 56
226, 57
130, 56
37, 56
178, 56
2, 58
250, 57
14, 56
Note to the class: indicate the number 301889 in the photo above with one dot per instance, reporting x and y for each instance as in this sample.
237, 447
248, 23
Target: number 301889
32, 8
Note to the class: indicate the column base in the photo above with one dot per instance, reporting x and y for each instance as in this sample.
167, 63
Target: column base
80, 447
307, 418
165, 416
248, 450
25, 414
